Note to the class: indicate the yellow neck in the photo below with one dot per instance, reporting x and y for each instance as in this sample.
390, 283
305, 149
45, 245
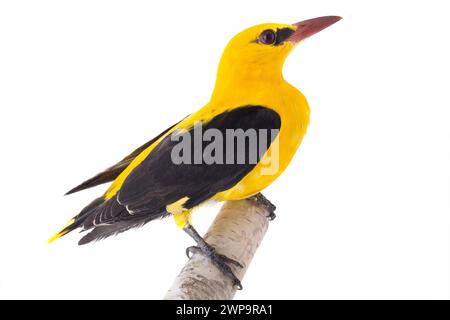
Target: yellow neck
244, 78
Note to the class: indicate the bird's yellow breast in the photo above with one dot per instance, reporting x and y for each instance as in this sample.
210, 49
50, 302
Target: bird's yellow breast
293, 109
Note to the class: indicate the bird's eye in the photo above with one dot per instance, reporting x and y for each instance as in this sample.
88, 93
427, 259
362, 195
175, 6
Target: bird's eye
267, 37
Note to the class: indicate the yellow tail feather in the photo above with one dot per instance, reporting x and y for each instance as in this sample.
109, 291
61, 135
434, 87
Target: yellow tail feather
62, 232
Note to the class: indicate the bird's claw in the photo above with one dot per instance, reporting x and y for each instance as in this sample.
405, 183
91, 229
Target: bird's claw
263, 201
220, 261
237, 284
191, 250
230, 261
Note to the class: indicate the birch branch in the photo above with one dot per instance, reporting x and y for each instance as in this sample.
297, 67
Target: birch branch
236, 232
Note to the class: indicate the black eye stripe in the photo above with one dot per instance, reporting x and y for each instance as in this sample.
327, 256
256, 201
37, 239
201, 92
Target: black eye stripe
283, 34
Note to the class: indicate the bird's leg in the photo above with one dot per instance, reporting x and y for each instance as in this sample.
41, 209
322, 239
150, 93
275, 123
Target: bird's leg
263, 201
219, 260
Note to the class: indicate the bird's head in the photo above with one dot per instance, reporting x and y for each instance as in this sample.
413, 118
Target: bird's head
260, 51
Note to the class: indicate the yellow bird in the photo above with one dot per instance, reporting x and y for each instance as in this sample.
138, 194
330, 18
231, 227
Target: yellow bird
221, 152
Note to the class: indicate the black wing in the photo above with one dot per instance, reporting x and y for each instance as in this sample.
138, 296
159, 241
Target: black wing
158, 181
113, 172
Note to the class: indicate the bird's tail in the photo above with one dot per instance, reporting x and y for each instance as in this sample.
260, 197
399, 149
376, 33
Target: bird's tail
78, 220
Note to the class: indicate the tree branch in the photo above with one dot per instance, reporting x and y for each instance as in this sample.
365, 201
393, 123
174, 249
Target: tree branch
236, 232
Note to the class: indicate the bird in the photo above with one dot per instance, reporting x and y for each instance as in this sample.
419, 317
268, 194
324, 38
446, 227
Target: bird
163, 178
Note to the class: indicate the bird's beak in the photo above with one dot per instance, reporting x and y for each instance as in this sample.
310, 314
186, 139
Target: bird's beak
309, 27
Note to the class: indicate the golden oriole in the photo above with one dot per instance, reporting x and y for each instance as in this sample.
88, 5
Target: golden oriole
250, 94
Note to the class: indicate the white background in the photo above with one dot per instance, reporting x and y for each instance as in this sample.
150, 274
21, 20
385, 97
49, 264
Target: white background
363, 210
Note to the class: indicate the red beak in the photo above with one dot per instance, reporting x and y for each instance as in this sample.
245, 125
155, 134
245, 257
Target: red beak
309, 27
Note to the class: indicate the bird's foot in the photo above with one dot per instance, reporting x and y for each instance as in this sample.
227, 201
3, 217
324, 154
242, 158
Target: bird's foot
219, 260
263, 201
